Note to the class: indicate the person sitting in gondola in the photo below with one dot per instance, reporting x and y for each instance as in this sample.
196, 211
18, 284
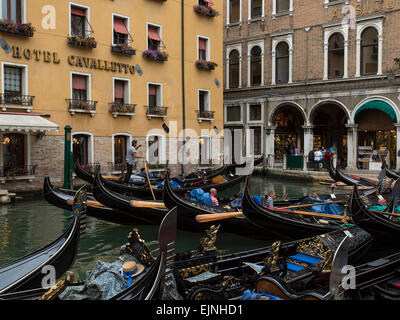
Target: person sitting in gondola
269, 198
213, 195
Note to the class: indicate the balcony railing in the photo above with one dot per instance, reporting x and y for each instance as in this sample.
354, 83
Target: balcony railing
82, 106
156, 112
90, 167
82, 41
12, 172
23, 29
203, 115
16, 100
118, 109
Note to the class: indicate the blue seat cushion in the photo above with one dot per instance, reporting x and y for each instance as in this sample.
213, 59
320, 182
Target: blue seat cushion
305, 258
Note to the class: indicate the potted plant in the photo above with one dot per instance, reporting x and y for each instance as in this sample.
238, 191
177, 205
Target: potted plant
23, 29
87, 42
155, 55
206, 65
123, 48
205, 11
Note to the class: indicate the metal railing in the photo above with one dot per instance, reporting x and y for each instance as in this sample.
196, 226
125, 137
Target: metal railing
202, 114
156, 111
121, 167
122, 108
10, 171
17, 99
76, 105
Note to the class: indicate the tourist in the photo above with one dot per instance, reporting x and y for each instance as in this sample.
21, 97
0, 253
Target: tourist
271, 196
328, 155
131, 156
311, 155
318, 156
332, 149
323, 150
213, 194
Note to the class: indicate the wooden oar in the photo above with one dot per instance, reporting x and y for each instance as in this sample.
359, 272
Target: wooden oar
90, 203
312, 204
388, 213
202, 218
148, 179
147, 204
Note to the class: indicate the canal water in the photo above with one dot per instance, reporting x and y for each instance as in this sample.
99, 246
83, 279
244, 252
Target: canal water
30, 224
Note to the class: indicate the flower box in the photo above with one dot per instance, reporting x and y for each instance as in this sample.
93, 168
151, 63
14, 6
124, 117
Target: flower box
86, 42
21, 29
123, 49
156, 55
206, 65
205, 11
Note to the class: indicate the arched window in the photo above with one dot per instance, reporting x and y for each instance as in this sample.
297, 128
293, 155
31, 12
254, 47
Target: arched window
234, 69
282, 62
255, 61
369, 51
336, 56
120, 147
156, 149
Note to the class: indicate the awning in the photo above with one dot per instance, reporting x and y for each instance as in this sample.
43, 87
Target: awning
119, 26
378, 105
153, 33
16, 122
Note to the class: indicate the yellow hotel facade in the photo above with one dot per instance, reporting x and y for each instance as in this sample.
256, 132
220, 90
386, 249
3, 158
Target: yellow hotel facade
112, 70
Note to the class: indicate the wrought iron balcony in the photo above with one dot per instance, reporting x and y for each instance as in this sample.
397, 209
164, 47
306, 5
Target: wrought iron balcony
16, 100
156, 112
117, 167
82, 106
122, 109
10, 172
203, 115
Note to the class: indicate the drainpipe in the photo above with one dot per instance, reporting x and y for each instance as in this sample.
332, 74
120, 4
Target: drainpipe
183, 83
67, 158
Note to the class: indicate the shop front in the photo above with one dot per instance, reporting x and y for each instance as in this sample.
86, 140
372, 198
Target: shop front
377, 135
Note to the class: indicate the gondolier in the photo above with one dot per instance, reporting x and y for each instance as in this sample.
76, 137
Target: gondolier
131, 156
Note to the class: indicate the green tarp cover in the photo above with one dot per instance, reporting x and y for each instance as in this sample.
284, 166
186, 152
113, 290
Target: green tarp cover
378, 105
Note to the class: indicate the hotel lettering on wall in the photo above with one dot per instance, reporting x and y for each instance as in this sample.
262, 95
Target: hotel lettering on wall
76, 61
365, 7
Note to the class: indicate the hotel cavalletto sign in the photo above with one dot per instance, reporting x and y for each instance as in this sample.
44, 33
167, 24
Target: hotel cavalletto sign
73, 60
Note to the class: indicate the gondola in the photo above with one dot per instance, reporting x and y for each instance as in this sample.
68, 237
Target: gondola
26, 273
279, 223
153, 212
376, 280
381, 225
204, 275
389, 172
188, 210
351, 180
332, 171
97, 210
257, 162
146, 287
145, 193
193, 177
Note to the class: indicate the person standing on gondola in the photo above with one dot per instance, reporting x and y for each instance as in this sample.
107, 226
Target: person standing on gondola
131, 156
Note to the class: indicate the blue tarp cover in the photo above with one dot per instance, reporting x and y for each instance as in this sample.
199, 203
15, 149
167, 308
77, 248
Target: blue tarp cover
328, 209
249, 295
199, 195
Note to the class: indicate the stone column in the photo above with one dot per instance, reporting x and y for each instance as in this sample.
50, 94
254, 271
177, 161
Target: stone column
308, 139
270, 145
352, 152
397, 125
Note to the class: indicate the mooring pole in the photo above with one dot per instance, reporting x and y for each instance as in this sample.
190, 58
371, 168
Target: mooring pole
67, 158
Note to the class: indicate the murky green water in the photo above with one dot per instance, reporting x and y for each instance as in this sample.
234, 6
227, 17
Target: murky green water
31, 224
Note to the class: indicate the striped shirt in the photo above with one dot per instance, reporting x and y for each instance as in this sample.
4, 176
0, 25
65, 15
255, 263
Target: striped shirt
270, 202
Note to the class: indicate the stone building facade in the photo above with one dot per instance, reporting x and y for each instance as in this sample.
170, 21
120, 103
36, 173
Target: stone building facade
309, 74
